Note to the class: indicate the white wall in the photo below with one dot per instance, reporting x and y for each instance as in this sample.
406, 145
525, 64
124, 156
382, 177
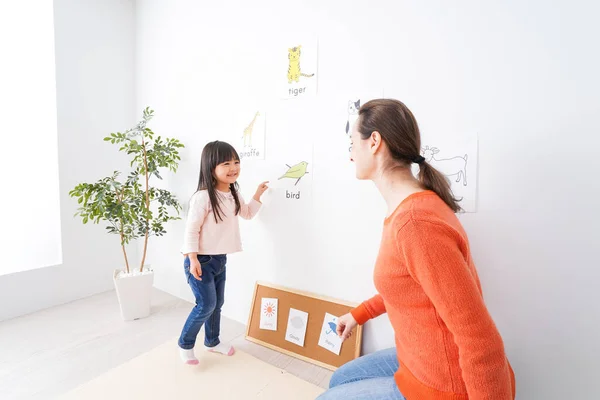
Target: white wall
524, 76
95, 96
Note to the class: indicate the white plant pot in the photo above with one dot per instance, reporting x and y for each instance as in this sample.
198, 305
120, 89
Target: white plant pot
134, 293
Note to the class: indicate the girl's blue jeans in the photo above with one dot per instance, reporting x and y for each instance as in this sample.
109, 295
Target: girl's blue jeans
210, 296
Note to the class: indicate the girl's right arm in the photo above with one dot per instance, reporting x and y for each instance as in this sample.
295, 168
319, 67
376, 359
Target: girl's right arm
197, 213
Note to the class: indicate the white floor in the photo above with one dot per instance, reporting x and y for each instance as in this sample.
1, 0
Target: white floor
53, 351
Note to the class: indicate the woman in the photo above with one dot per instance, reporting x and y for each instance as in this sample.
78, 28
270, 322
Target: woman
447, 346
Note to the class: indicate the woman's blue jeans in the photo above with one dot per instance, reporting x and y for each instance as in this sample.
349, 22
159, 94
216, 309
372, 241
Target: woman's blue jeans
370, 377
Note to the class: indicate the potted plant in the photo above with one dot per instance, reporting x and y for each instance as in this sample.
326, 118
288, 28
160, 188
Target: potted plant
132, 208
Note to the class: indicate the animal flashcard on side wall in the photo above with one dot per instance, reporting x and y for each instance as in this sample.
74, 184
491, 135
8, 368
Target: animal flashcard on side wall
329, 338
451, 167
298, 73
268, 314
296, 327
352, 105
457, 161
249, 129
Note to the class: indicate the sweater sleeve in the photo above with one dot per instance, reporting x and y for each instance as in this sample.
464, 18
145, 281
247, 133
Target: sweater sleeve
436, 257
248, 210
369, 309
198, 210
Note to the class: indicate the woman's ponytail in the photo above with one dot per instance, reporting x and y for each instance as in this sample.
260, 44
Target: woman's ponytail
434, 180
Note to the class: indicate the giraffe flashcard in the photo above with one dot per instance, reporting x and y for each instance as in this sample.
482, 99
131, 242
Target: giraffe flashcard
250, 134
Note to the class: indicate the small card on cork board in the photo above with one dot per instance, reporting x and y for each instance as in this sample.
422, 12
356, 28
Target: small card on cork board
302, 325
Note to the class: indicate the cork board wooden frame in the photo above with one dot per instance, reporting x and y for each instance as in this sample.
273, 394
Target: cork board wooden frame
316, 306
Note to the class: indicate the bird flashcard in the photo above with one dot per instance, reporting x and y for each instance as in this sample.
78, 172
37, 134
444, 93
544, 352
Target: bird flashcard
295, 172
290, 175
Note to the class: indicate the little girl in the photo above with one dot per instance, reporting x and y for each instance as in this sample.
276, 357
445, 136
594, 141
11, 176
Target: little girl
212, 232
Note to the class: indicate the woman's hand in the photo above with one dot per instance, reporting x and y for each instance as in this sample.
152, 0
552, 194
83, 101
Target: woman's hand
260, 190
345, 325
195, 268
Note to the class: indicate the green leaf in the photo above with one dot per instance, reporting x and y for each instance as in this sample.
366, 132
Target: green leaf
122, 204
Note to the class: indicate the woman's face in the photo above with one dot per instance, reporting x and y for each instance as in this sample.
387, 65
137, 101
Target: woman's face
361, 154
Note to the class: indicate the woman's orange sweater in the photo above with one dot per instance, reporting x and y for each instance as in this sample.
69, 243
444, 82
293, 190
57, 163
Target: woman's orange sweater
447, 343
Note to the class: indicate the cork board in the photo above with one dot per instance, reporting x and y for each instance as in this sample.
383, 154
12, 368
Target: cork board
316, 306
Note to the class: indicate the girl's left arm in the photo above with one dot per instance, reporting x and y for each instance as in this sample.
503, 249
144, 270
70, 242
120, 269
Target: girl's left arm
249, 210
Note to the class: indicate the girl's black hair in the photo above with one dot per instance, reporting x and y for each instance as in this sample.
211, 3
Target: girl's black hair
213, 154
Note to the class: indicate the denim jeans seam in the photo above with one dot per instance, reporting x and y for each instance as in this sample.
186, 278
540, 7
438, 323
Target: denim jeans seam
212, 329
213, 320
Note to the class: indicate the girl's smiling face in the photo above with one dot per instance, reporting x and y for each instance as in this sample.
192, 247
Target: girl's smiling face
227, 172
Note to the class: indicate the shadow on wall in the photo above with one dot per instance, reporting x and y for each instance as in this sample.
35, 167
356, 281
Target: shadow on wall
378, 334
293, 256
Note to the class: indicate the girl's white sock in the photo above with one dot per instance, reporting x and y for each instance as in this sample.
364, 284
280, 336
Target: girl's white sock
188, 356
222, 348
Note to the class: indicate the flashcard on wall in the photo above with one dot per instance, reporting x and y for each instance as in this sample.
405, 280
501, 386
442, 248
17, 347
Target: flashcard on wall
456, 158
268, 314
250, 134
297, 66
291, 173
352, 104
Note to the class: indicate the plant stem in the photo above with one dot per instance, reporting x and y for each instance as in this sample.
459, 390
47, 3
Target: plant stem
124, 253
147, 205
119, 198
